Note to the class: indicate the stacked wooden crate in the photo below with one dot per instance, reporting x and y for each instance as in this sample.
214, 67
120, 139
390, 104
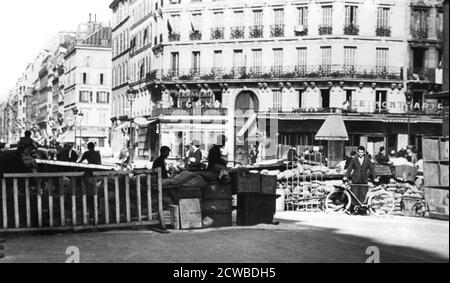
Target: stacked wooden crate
436, 179
217, 205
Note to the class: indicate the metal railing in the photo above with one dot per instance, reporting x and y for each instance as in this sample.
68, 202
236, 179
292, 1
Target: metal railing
419, 32
217, 33
190, 112
237, 32
174, 37
351, 29
325, 30
72, 201
256, 31
277, 30
281, 72
195, 35
383, 31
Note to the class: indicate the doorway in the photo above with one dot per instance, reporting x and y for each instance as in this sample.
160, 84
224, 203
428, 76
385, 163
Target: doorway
246, 106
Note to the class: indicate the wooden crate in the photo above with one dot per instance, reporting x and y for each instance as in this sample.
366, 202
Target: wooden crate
430, 149
431, 174
437, 201
217, 206
190, 214
444, 149
269, 184
217, 192
246, 182
220, 219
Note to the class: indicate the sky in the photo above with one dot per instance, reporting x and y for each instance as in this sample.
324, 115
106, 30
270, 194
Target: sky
26, 26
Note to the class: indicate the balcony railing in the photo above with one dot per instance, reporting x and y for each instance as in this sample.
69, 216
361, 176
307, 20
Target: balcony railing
325, 30
256, 31
281, 72
237, 32
351, 29
217, 33
195, 35
301, 30
383, 31
174, 37
277, 30
189, 112
419, 33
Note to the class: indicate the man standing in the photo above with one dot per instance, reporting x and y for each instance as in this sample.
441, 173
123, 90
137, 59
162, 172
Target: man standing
160, 162
26, 148
410, 152
92, 156
359, 169
67, 154
381, 157
195, 157
216, 162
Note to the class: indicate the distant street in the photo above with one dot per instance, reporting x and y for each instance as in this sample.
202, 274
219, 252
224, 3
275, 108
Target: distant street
299, 238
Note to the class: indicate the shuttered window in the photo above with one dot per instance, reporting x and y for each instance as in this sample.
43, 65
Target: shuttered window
326, 58
302, 59
350, 15
257, 60
218, 19
349, 57
383, 17
279, 17
327, 15
382, 59
278, 60
302, 16
258, 17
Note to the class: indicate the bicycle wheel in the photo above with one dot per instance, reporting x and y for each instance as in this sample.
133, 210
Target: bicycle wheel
338, 202
381, 203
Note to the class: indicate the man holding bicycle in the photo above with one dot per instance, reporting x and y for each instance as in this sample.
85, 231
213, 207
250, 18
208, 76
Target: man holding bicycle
359, 169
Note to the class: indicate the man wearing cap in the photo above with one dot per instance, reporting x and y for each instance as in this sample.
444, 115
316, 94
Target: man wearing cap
195, 157
160, 162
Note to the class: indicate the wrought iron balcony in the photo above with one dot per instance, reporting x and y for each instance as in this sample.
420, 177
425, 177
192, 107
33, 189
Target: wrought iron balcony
383, 31
325, 30
301, 30
195, 35
281, 72
237, 32
189, 112
174, 36
277, 30
419, 32
351, 29
256, 31
217, 33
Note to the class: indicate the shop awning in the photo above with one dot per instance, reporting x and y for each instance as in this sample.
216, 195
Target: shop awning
122, 126
247, 125
333, 129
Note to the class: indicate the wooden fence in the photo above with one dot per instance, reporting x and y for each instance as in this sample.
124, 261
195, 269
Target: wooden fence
78, 200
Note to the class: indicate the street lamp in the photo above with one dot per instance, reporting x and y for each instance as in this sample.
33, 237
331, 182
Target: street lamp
409, 98
77, 113
131, 96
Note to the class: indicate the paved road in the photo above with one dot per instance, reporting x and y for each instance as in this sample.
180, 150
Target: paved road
299, 238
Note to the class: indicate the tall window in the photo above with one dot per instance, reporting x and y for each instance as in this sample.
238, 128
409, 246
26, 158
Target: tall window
218, 19
279, 16
84, 78
278, 61
197, 21
349, 58
382, 57
238, 20
102, 97
383, 17
257, 61
258, 17
302, 16
326, 59
327, 15
302, 55
277, 100
350, 15
84, 96
420, 23
217, 61
238, 60
175, 63
102, 79
196, 62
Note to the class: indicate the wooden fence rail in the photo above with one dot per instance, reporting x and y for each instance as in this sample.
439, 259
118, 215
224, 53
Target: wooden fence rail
76, 201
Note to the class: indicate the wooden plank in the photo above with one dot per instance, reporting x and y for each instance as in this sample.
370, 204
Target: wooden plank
28, 202
61, 201
127, 198
105, 190
149, 197
84, 201
44, 175
50, 201
74, 201
138, 194
4, 204
116, 180
110, 174
160, 199
16, 203
95, 202
39, 201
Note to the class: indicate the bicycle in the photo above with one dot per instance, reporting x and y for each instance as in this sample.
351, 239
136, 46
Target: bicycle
378, 203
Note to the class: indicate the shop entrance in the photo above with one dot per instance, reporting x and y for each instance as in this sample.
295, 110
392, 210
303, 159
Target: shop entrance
247, 107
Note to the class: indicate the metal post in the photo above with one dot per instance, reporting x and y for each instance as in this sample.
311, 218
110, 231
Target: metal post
132, 148
409, 124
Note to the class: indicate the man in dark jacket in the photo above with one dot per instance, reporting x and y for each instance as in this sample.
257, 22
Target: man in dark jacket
381, 157
216, 162
195, 157
92, 156
359, 170
67, 154
160, 162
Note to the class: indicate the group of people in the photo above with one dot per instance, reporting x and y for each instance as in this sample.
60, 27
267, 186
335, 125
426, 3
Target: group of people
315, 155
217, 160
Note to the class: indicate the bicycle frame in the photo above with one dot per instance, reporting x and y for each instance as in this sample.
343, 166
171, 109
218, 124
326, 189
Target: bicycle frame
347, 188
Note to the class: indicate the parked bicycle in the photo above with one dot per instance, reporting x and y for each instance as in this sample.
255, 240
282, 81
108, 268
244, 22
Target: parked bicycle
379, 203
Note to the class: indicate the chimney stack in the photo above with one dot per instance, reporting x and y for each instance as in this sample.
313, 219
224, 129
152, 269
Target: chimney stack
90, 17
